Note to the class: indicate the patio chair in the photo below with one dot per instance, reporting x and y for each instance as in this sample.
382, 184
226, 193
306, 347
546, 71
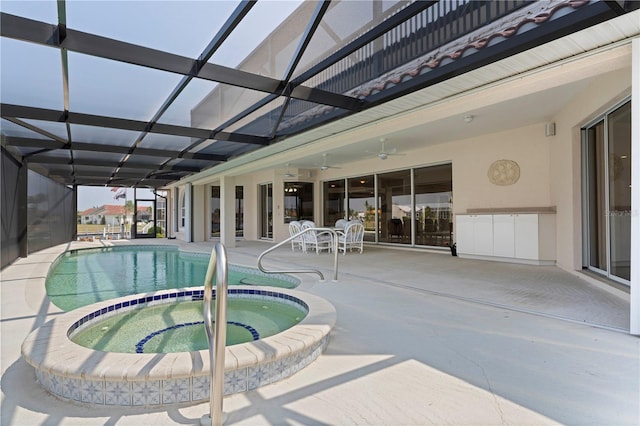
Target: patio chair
314, 240
298, 242
341, 223
394, 228
352, 237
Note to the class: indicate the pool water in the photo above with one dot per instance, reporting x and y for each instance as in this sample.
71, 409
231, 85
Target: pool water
82, 277
178, 327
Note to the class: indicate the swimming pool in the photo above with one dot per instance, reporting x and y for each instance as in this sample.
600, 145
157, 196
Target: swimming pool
82, 277
179, 326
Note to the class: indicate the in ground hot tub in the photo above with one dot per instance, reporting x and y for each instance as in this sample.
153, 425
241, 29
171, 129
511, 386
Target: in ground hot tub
85, 375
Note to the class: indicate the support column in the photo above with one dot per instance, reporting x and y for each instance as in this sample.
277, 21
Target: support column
228, 211
199, 198
634, 326
21, 200
188, 213
74, 232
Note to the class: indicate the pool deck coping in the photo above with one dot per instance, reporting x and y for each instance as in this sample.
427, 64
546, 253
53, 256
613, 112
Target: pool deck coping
71, 360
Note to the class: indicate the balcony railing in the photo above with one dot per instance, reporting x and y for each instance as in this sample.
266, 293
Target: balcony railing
441, 23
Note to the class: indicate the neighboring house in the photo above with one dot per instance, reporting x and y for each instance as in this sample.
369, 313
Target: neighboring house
108, 214
112, 214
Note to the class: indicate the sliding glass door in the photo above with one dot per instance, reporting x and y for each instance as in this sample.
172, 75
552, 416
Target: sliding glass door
433, 195
216, 205
215, 211
334, 201
409, 207
266, 210
607, 194
362, 204
394, 199
239, 211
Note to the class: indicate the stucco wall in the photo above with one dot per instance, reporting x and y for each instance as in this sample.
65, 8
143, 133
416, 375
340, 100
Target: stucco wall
527, 146
550, 169
565, 155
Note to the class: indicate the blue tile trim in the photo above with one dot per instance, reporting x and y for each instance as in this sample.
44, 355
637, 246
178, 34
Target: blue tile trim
194, 295
140, 345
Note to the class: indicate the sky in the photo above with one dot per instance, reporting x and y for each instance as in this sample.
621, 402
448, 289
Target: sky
180, 27
95, 196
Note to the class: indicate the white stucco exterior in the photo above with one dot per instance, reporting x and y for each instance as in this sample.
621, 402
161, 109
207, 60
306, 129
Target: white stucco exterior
588, 85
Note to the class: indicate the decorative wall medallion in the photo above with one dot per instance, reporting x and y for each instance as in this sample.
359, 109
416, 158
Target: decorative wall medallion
504, 172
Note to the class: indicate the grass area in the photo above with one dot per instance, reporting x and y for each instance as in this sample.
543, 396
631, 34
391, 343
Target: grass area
93, 229
98, 229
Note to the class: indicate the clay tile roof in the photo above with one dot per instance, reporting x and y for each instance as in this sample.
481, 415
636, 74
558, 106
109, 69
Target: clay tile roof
112, 210
535, 14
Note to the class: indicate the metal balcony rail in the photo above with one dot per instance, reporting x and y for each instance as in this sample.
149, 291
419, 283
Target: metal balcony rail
437, 25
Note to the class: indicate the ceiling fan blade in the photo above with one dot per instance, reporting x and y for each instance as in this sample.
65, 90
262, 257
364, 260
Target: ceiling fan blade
327, 167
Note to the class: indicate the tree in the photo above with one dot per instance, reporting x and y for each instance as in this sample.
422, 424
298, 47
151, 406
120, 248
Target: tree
369, 216
128, 208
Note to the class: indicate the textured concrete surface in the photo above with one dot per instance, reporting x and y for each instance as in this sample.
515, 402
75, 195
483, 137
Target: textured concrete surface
421, 338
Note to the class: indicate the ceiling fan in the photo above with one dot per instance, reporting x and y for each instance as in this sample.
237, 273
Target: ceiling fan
288, 174
324, 166
383, 154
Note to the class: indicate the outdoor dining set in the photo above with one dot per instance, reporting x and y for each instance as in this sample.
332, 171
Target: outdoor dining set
307, 237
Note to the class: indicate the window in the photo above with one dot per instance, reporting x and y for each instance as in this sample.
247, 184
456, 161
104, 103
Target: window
239, 211
334, 198
183, 209
394, 199
215, 211
362, 203
433, 207
298, 201
412, 207
266, 210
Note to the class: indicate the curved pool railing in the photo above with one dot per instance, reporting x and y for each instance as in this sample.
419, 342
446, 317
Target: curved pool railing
217, 338
334, 235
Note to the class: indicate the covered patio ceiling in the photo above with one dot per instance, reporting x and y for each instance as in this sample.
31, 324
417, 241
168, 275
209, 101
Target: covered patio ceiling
146, 93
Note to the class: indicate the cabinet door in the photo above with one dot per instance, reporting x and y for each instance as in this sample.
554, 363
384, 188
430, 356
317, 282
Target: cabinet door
526, 236
464, 233
503, 235
483, 235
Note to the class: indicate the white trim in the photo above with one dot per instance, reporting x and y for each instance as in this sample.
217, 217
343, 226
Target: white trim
634, 309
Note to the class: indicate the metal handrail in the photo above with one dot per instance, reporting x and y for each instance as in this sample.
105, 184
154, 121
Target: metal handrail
217, 339
303, 271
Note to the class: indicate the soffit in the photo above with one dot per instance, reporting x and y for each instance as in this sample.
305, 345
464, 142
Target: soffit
564, 67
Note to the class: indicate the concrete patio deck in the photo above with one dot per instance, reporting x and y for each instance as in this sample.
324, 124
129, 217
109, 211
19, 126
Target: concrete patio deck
421, 338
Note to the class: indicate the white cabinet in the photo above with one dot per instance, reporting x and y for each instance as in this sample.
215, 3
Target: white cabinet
475, 234
526, 227
483, 235
538, 237
517, 237
464, 233
503, 235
